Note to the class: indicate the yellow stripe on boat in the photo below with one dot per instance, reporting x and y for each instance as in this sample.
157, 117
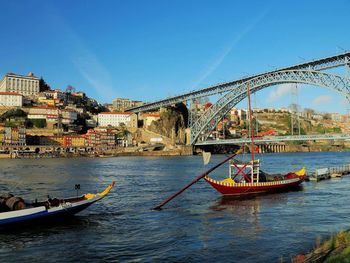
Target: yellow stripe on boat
102, 194
301, 172
89, 196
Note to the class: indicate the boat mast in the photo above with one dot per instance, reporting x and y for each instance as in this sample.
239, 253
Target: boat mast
251, 124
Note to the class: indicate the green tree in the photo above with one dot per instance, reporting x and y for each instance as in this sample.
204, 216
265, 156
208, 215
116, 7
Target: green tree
43, 86
39, 123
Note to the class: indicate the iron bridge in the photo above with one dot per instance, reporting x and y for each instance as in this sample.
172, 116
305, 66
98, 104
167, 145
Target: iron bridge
266, 139
232, 92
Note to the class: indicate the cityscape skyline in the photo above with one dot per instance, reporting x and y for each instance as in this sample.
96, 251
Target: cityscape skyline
148, 51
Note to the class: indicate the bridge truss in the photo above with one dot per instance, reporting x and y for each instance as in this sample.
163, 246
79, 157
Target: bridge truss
206, 123
315, 65
311, 72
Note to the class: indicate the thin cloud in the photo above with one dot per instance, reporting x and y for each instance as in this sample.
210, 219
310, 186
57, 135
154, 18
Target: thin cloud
220, 58
321, 99
281, 91
84, 59
94, 73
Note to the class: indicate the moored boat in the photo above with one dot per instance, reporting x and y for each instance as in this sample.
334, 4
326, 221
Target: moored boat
14, 210
247, 179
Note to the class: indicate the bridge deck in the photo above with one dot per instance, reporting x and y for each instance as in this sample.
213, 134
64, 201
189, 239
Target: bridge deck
277, 139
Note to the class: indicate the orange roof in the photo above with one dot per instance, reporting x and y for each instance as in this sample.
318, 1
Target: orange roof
151, 114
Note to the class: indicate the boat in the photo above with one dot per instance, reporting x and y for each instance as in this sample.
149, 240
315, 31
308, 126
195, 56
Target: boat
14, 210
336, 175
245, 178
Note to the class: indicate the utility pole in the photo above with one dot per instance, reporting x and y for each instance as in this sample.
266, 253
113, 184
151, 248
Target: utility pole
294, 114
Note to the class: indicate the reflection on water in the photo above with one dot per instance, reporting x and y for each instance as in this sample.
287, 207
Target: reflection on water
197, 226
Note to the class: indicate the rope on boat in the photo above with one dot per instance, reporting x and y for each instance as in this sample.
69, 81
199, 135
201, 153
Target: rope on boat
158, 207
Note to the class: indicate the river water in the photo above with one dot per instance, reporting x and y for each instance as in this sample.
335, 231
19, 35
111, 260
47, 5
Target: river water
197, 226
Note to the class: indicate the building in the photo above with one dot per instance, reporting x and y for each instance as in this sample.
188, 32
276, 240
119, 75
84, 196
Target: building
115, 119
15, 136
107, 138
336, 117
73, 140
148, 118
91, 138
24, 85
121, 104
51, 140
48, 102
54, 94
100, 138
51, 114
11, 99
242, 114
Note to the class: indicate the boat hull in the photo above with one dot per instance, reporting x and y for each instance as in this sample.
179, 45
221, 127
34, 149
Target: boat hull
39, 213
44, 211
240, 189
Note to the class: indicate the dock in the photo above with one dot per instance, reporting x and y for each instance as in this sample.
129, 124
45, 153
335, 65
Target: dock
329, 172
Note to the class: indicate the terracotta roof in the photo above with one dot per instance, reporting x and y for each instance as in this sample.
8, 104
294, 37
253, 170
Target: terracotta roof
151, 114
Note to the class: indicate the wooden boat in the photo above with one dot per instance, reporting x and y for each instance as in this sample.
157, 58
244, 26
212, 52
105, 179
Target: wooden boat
14, 210
246, 179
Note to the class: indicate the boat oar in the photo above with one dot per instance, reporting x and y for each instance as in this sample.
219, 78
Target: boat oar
195, 181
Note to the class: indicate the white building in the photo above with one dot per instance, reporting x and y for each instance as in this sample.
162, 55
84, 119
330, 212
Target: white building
24, 85
11, 99
54, 94
115, 119
52, 114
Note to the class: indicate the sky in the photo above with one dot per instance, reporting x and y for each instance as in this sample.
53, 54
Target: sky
150, 50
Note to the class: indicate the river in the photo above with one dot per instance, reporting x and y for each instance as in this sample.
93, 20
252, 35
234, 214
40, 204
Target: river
197, 226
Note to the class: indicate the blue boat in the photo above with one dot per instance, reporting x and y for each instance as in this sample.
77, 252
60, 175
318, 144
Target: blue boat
14, 210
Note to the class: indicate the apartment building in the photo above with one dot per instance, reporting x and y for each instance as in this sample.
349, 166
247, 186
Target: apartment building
24, 85
11, 99
121, 104
52, 114
15, 136
115, 119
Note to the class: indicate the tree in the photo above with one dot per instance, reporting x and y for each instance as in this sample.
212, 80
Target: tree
327, 116
43, 86
39, 123
14, 113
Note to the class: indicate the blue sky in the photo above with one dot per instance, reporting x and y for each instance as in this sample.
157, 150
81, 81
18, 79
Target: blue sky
148, 50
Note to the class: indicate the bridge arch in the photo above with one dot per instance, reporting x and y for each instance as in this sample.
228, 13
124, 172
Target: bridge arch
209, 119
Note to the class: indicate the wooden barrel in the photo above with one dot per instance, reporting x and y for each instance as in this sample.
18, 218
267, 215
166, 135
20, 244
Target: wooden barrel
15, 203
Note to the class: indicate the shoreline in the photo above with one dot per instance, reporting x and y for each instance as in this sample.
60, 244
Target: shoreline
182, 151
334, 249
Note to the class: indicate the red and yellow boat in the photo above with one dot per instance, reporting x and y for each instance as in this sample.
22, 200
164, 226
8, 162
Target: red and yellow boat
246, 179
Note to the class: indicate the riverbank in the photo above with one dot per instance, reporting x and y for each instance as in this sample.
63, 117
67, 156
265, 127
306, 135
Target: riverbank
115, 152
177, 150
335, 249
